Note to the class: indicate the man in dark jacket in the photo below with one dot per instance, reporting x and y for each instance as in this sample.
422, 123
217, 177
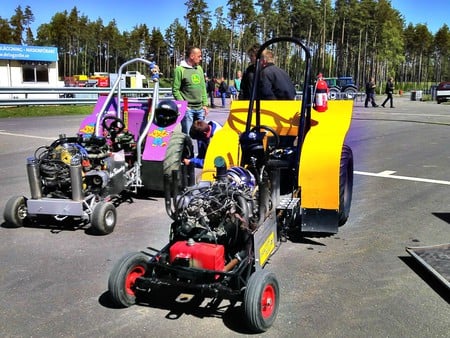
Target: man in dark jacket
247, 78
275, 83
211, 89
389, 91
370, 93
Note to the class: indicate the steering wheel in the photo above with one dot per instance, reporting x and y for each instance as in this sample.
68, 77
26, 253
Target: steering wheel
115, 127
273, 132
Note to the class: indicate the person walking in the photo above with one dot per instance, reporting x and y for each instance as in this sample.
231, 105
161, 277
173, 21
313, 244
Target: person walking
189, 85
370, 93
389, 91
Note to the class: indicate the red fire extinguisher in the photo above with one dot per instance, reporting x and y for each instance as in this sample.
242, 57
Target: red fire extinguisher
321, 94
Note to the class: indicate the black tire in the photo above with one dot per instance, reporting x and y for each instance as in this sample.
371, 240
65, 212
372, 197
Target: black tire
15, 213
104, 217
350, 92
333, 93
345, 184
123, 276
180, 147
261, 300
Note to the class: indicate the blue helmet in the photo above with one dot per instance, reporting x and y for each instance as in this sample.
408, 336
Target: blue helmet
241, 177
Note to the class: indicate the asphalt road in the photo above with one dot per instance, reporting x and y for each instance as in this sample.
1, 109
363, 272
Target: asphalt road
358, 283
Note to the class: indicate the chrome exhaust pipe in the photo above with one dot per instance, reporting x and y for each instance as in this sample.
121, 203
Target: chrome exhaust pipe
76, 179
34, 178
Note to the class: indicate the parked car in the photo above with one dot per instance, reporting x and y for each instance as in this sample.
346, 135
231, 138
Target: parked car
443, 92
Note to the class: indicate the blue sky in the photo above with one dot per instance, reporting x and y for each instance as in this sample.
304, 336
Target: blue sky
161, 13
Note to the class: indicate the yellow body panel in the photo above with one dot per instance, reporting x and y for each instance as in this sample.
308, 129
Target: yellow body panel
321, 151
282, 116
321, 156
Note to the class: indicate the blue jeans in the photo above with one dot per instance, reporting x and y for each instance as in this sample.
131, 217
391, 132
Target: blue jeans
190, 117
223, 96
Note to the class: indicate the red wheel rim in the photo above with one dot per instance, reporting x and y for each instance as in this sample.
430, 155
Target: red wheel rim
134, 273
268, 301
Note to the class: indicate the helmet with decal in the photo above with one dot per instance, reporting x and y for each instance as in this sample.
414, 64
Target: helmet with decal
166, 113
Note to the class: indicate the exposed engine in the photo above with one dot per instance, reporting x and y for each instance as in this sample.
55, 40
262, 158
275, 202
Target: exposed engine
99, 166
223, 212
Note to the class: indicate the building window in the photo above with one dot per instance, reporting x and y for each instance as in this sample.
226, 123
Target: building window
35, 72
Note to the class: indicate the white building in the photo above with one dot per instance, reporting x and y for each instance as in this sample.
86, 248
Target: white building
28, 66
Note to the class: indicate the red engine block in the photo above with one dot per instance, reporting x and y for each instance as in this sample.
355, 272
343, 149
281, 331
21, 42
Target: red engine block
199, 255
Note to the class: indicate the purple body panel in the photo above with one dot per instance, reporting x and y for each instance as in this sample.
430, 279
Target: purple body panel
157, 137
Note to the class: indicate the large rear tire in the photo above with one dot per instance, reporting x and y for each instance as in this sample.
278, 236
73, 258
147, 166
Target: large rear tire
16, 212
261, 300
104, 218
123, 277
180, 147
350, 92
333, 93
345, 184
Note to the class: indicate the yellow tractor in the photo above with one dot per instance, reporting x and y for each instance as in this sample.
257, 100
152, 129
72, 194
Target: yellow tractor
275, 168
296, 148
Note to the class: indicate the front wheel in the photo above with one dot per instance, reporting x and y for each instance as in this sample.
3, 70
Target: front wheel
345, 184
16, 212
104, 217
123, 277
261, 300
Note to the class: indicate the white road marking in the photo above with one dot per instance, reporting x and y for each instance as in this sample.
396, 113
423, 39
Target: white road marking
407, 114
24, 135
389, 174
384, 174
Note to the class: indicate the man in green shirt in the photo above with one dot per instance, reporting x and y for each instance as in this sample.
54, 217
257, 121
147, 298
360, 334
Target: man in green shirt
189, 85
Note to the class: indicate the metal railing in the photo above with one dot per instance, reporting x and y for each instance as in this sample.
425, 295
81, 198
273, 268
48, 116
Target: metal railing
28, 96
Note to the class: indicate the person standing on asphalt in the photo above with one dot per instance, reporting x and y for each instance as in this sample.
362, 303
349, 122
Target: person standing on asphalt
189, 85
245, 89
237, 83
389, 91
223, 90
211, 88
275, 83
370, 93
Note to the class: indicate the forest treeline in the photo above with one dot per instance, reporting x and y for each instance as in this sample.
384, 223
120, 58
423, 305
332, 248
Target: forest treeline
359, 38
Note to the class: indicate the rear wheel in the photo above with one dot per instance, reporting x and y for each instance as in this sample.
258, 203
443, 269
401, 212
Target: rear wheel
333, 93
261, 300
123, 277
350, 92
180, 147
345, 184
104, 217
16, 212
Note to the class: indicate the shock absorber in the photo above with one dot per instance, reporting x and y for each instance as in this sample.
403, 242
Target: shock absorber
34, 178
76, 179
